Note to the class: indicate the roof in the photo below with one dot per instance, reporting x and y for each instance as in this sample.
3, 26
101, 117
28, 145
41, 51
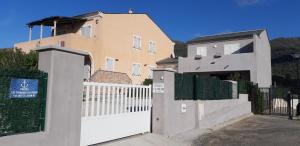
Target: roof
49, 21
168, 61
87, 14
226, 36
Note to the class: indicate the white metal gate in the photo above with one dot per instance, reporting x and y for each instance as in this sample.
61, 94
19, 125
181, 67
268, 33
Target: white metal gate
112, 111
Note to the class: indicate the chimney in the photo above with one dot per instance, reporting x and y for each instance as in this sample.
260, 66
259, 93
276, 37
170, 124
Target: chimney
130, 11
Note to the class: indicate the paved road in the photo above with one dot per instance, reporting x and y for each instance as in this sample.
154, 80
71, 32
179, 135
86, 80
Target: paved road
257, 131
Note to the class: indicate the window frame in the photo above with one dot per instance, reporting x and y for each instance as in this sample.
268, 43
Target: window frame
140, 42
200, 52
139, 71
113, 63
152, 50
91, 31
151, 68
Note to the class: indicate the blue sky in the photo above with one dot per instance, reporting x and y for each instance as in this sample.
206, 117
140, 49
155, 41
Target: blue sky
180, 19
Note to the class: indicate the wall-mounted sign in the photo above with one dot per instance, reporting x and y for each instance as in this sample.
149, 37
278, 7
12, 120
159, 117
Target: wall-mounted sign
183, 108
24, 88
158, 88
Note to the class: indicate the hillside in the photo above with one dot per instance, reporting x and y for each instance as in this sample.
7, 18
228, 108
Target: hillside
281, 47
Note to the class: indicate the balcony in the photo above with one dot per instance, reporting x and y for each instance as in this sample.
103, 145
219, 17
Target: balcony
70, 40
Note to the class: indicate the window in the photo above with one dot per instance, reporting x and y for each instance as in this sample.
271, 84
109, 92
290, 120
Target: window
110, 64
151, 68
202, 51
137, 42
231, 48
136, 69
152, 47
61, 43
86, 31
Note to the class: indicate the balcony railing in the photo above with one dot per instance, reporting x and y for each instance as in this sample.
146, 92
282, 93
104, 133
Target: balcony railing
70, 40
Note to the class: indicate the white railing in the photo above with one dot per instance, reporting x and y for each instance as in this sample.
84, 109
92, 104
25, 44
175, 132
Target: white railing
102, 99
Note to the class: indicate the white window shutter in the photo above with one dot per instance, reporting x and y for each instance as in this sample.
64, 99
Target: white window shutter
202, 51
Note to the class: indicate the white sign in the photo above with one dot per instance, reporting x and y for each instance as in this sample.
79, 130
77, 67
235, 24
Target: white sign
183, 108
158, 88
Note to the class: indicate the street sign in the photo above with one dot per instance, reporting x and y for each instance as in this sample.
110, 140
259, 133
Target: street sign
24, 88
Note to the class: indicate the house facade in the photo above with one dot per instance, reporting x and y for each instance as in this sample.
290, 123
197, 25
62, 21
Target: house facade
126, 43
244, 55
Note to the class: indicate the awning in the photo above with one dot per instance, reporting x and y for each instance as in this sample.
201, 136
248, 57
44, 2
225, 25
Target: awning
49, 21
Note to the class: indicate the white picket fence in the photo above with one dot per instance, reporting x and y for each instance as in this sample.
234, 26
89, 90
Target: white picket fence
112, 111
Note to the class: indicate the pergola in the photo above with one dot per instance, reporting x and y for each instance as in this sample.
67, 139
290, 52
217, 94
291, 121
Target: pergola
52, 21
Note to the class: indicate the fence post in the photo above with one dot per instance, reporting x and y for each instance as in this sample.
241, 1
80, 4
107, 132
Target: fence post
64, 96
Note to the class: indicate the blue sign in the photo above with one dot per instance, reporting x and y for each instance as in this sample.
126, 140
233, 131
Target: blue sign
24, 88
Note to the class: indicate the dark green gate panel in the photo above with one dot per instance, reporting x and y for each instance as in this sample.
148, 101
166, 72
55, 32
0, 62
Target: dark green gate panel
195, 87
184, 86
212, 89
19, 115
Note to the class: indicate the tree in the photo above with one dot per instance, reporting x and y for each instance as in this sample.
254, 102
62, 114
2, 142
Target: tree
148, 82
17, 59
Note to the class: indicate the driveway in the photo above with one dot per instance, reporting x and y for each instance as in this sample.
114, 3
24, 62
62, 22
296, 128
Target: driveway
255, 130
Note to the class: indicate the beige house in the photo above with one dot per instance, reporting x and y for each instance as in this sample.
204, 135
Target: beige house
126, 43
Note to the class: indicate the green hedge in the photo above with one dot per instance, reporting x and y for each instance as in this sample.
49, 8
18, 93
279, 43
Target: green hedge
194, 87
21, 115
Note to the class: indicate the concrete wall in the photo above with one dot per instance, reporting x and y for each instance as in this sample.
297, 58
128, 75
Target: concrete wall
214, 48
263, 61
257, 62
63, 107
214, 112
170, 118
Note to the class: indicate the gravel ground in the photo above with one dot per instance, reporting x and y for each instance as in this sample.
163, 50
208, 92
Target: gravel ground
255, 131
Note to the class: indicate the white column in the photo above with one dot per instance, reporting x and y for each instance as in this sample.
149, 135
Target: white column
54, 28
41, 32
30, 33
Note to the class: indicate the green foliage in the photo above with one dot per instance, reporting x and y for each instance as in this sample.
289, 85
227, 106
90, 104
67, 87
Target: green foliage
17, 59
21, 115
148, 82
235, 76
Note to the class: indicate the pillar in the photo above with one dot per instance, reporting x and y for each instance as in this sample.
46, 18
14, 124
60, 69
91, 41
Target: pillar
30, 33
170, 116
64, 94
41, 31
54, 28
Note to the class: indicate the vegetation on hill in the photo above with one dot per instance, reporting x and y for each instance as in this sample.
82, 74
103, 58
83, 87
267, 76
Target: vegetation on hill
285, 72
284, 46
17, 59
